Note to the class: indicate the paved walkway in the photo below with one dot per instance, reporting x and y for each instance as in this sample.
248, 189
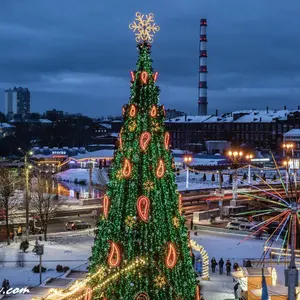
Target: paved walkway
219, 287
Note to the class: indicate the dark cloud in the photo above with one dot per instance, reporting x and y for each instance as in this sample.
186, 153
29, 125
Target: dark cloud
76, 55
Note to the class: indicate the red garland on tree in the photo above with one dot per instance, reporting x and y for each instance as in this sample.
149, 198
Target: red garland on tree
114, 256
132, 74
126, 168
143, 205
132, 111
88, 294
153, 111
171, 258
180, 203
167, 140
145, 140
161, 169
197, 293
142, 296
106, 204
164, 111
144, 77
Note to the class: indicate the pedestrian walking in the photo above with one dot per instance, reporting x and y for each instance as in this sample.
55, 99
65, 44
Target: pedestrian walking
235, 289
221, 266
228, 267
192, 224
213, 264
4, 286
199, 267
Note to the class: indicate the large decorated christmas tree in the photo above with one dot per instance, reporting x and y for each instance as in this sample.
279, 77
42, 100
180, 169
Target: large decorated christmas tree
142, 248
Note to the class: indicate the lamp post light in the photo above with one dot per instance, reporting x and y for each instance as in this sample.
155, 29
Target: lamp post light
235, 156
286, 164
249, 157
27, 167
291, 274
187, 160
289, 149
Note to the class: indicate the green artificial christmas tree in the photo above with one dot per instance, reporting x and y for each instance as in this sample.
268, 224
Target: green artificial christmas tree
142, 248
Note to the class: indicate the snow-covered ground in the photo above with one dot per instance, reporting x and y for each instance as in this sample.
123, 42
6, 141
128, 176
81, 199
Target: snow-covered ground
195, 179
67, 251
74, 252
79, 174
220, 287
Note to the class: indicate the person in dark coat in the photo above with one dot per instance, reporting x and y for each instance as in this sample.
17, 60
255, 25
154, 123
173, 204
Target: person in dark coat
248, 264
4, 286
221, 265
199, 267
235, 266
228, 267
213, 264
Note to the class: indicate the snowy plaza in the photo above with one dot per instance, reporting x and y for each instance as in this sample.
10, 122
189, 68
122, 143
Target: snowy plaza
75, 251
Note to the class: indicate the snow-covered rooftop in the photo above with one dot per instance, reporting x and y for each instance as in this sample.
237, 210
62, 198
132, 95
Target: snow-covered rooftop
108, 126
180, 152
292, 132
263, 116
190, 119
240, 116
45, 121
6, 125
98, 153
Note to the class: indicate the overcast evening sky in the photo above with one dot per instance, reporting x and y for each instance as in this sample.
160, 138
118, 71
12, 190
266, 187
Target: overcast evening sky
75, 55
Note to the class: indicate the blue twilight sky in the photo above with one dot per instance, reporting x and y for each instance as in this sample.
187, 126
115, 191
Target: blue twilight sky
76, 55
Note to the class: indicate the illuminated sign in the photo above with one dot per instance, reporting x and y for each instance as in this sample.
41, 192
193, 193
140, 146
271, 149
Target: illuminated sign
58, 152
260, 159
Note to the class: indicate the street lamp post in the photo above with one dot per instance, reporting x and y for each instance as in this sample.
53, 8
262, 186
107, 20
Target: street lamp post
187, 160
289, 148
27, 167
291, 274
235, 156
249, 157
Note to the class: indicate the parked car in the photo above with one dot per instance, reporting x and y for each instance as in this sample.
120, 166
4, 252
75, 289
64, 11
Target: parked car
233, 225
75, 225
246, 227
241, 219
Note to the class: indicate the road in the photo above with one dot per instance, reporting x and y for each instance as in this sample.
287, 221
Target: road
190, 205
58, 225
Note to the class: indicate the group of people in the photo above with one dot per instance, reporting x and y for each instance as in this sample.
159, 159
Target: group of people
221, 263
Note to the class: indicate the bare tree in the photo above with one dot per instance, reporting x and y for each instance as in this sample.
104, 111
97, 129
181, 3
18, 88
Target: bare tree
45, 203
101, 179
8, 203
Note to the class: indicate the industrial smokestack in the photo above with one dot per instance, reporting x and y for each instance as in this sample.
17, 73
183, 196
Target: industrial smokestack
298, 107
267, 109
284, 107
202, 89
216, 112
